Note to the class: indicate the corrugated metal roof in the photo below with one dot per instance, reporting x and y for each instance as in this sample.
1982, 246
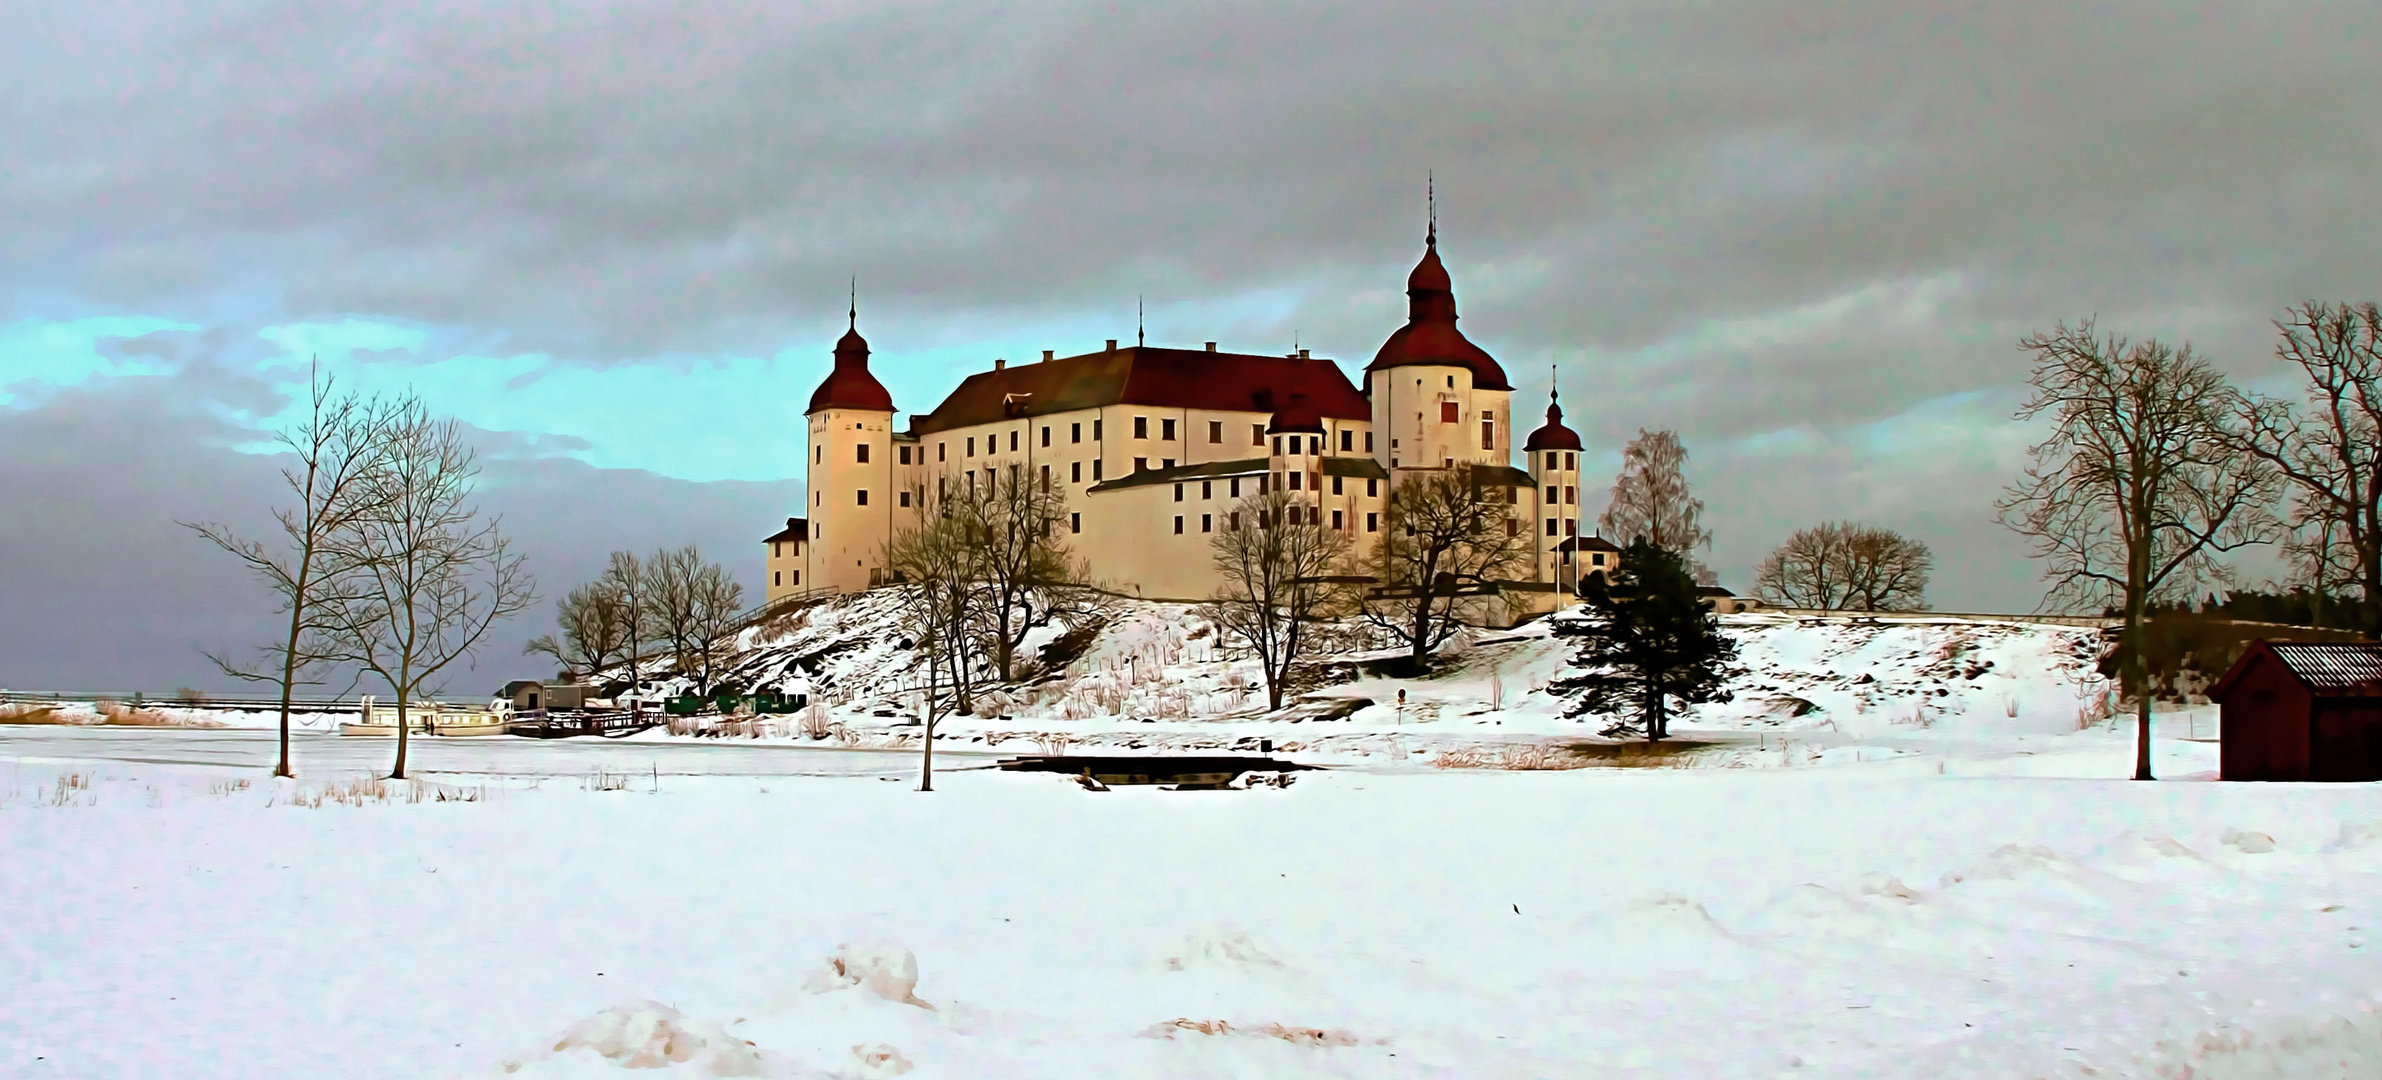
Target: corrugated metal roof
2352, 668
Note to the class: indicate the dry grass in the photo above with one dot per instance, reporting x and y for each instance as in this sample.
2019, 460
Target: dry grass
1519, 757
360, 792
1297, 1036
31, 714
1667, 754
115, 714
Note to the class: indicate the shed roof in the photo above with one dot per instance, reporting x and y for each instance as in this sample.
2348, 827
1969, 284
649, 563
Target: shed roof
796, 529
2329, 669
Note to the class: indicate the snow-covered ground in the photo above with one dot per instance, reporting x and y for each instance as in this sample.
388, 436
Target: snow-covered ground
1988, 907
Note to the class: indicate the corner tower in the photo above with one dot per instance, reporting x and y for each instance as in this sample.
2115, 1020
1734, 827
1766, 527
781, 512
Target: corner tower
851, 484
1438, 399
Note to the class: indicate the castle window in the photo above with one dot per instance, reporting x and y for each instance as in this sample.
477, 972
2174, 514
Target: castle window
942, 491
1550, 526
1372, 522
1178, 524
1447, 409
863, 452
1207, 522
1294, 480
1551, 494
1178, 497
1216, 432
797, 577
818, 498
1368, 442
971, 446
1046, 434
1513, 496
1236, 487
939, 452
1513, 526
1076, 473
1277, 445
1569, 461
1075, 433
905, 454
1075, 522
1571, 526
1232, 521
777, 578
1166, 463
1571, 495
1141, 464
1451, 382
1347, 440
1166, 430
1046, 474
1257, 434
1261, 487
1012, 442
905, 498
1336, 520
1207, 489
1095, 429
821, 457
1488, 435
1372, 486
863, 493
1335, 485
1141, 427
1096, 469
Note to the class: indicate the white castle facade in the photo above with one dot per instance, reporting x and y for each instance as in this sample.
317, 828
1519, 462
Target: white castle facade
1154, 449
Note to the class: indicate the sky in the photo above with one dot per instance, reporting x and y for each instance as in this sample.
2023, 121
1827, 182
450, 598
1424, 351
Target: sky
618, 240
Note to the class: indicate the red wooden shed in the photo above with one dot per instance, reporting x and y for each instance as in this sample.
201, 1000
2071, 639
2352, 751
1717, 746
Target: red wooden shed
2302, 711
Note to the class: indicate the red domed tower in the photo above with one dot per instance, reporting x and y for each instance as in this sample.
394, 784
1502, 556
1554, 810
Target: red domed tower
850, 471
1438, 399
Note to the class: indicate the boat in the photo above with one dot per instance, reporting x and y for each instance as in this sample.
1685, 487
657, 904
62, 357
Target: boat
430, 718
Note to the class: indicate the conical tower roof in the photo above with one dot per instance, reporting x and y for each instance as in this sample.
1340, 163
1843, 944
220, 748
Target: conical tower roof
849, 385
1430, 335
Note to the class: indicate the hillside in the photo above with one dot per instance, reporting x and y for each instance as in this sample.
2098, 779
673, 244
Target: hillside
1139, 674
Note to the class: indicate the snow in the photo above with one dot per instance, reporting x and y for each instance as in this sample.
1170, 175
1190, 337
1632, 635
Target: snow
1975, 906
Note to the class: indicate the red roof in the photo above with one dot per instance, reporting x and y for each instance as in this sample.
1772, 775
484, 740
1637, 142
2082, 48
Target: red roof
1144, 375
1554, 436
2329, 669
849, 385
1430, 335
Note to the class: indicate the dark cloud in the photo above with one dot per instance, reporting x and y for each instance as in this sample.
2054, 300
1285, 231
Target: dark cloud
1775, 226
102, 590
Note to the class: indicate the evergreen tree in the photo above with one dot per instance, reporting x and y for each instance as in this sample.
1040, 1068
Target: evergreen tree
1650, 643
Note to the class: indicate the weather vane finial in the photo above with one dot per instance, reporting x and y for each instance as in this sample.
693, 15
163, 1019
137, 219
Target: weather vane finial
1431, 198
852, 314
1137, 338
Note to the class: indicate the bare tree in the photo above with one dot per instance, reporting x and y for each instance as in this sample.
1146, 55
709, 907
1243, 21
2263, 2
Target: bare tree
595, 631
2330, 451
1650, 499
624, 579
939, 562
1276, 582
1023, 565
2138, 485
1840, 564
336, 446
429, 575
1450, 536
694, 604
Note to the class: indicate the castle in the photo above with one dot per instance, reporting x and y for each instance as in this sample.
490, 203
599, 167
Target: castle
1155, 447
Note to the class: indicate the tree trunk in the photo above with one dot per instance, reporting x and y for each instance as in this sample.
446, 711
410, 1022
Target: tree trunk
398, 773
2139, 669
926, 770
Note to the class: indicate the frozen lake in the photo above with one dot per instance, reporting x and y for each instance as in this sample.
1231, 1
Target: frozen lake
320, 754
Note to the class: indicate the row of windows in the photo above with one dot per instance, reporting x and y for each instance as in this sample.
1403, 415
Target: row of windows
1559, 460
1571, 495
777, 578
1293, 514
1298, 482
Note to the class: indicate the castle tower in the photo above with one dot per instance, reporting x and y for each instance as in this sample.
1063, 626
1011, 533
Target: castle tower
850, 460
1438, 399
1552, 454
1296, 435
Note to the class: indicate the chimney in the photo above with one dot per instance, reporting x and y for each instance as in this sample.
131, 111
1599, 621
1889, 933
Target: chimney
999, 363
1046, 355
1211, 346
1302, 354
1112, 344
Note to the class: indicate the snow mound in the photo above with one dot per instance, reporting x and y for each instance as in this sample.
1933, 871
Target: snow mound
886, 970
1671, 915
1220, 949
2248, 843
651, 1035
2338, 1048
2008, 862
877, 1061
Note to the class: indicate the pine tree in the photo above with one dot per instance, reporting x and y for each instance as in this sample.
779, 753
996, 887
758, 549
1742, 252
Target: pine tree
1650, 642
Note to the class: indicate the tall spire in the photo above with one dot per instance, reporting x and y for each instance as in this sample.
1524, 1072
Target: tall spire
852, 314
1137, 338
1431, 198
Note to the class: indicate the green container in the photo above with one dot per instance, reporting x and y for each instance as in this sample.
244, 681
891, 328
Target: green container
685, 705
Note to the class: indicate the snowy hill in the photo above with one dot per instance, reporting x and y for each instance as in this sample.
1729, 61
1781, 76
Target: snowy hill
1141, 674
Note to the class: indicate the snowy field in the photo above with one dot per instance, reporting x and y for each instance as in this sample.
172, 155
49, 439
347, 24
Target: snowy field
1971, 907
